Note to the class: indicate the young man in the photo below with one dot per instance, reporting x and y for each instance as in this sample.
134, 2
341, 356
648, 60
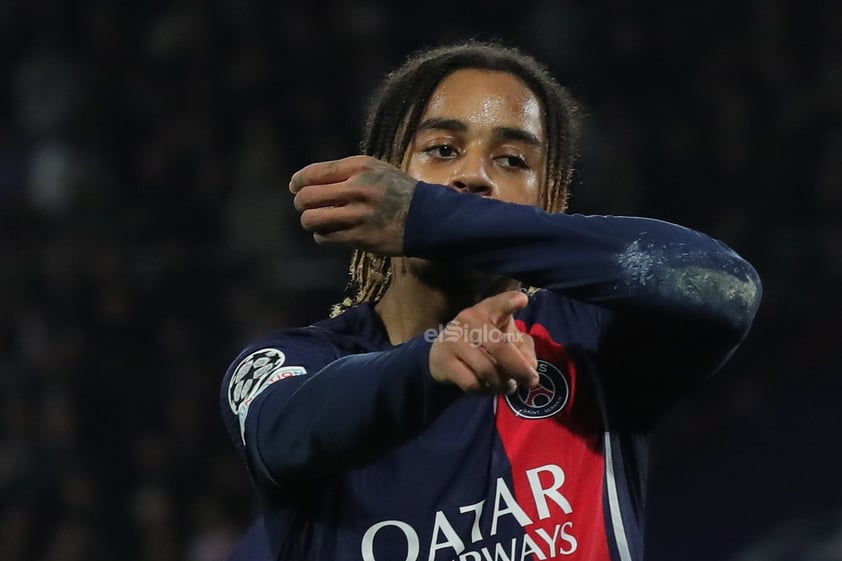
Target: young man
489, 388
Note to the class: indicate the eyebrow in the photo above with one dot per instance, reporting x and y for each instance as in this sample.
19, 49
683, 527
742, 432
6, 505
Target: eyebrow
517, 135
438, 123
500, 133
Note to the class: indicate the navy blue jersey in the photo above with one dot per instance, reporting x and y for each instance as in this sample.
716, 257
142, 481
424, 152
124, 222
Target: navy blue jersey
358, 454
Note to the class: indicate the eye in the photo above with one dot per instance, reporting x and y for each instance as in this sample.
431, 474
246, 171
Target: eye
515, 162
444, 151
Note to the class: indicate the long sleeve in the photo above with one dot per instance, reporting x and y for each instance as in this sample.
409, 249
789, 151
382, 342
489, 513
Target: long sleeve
308, 415
614, 261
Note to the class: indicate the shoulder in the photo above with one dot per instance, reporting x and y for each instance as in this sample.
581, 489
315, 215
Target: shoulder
295, 352
281, 354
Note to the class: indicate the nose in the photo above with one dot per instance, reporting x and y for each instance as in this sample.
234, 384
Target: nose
471, 175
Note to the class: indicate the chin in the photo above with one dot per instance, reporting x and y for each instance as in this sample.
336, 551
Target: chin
459, 283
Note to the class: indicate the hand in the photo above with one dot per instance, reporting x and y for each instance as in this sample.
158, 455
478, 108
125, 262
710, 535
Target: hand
358, 202
482, 350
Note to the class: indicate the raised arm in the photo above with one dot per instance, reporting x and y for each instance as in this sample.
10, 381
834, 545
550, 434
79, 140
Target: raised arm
617, 262
622, 263
679, 301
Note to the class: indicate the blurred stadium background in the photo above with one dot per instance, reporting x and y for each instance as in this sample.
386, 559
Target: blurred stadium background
146, 232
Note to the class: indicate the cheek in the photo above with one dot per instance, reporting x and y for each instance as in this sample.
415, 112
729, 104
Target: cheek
524, 191
415, 167
410, 165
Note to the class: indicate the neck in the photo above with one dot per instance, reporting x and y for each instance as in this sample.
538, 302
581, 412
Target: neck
415, 302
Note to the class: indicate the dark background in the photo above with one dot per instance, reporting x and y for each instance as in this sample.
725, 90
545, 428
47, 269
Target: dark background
146, 233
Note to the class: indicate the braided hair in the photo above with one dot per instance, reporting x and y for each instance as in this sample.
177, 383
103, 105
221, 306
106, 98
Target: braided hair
396, 109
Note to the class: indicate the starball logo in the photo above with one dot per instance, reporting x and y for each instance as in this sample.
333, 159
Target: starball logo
456, 331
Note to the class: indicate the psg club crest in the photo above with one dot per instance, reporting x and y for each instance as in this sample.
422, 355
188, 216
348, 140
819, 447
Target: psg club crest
544, 400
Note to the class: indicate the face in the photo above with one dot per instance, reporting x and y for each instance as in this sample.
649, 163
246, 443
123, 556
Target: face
482, 132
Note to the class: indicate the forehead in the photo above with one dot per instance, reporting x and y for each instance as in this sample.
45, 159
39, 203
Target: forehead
483, 98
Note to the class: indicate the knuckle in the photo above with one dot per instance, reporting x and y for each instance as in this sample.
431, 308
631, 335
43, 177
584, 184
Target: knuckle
372, 163
516, 366
496, 345
364, 212
489, 373
469, 315
526, 347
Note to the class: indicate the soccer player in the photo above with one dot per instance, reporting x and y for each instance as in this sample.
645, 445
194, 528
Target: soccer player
489, 388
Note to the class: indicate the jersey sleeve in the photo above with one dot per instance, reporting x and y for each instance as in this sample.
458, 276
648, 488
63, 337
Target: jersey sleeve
298, 412
678, 301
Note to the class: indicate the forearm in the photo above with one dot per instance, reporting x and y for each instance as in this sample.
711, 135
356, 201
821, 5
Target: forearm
351, 411
623, 263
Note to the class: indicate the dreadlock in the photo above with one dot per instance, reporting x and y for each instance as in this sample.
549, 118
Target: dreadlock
396, 109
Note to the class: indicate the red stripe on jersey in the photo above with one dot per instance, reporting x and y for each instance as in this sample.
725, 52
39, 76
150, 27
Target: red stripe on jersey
553, 438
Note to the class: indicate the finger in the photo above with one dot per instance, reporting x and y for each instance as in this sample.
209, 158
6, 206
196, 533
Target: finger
331, 219
511, 362
321, 173
318, 174
483, 367
501, 307
511, 386
316, 196
347, 237
461, 374
522, 341
526, 347
502, 380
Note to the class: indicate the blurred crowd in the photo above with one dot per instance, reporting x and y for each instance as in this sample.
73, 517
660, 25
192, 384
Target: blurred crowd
146, 232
